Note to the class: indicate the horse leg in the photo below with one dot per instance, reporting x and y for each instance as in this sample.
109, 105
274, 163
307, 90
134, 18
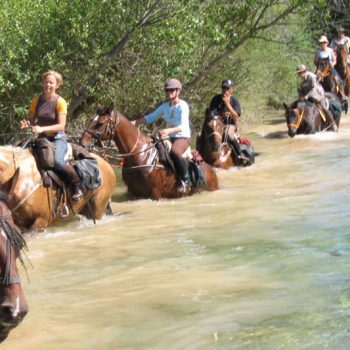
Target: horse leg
39, 225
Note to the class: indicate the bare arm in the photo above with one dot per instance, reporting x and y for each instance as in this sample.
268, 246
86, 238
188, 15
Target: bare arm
61, 124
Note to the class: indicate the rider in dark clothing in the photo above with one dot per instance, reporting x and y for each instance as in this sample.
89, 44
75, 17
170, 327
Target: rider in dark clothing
228, 108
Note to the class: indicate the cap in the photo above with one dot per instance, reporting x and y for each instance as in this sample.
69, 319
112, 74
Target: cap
323, 39
341, 29
172, 84
301, 68
227, 83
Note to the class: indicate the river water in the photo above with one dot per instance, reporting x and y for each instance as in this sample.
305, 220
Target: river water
263, 263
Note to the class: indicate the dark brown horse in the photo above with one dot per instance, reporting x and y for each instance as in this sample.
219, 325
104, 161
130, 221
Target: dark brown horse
143, 173
13, 305
34, 206
304, 117
343, 69
216, 149
327, 80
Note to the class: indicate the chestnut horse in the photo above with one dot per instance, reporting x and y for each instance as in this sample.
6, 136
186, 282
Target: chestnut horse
13, 305
214, 146
304, 117
343, 69
33, 205
143, 173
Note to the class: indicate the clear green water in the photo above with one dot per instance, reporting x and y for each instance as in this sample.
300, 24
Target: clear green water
263, 263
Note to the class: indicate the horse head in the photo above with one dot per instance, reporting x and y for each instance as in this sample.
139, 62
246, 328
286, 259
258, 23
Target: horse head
101, 126
13, 305
342, 59
293, 118
323, 69
213, 130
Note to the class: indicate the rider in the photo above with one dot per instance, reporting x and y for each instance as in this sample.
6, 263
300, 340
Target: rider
228, 108
49, 110
341, 39
326, 53
311, 90
176, 114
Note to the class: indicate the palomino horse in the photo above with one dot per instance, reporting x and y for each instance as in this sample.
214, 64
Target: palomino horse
13, 305
215, 148
143, 173
326, 78
34, 206
343, 69
304, 117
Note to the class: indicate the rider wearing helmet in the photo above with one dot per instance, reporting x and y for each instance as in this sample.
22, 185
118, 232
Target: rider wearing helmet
176, 114
311, 90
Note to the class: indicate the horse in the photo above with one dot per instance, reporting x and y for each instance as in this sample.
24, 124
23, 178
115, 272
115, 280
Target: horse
215, 148
143, 172
326, 79
34, 205
342, 67
13, 305
304, 117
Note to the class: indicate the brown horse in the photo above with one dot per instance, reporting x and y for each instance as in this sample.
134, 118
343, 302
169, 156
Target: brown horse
34, 206
143, 173
13, 305
216, 149
343, 69
327, 80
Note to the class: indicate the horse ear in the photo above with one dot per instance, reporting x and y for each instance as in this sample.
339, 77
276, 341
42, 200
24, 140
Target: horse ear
98, 106
285, 105
110, 107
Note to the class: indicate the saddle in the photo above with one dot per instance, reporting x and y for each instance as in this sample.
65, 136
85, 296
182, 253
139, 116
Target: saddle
85, 165
193, 158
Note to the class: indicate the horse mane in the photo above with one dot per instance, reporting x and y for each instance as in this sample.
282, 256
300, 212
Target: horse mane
15, 239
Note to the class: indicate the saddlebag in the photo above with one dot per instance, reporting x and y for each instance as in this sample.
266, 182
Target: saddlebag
44, 152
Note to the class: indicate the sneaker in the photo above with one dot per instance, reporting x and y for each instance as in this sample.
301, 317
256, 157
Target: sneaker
184, 187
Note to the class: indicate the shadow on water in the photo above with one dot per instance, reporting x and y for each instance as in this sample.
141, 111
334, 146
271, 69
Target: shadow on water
276, 135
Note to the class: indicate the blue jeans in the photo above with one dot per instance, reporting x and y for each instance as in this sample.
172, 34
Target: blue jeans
61, 151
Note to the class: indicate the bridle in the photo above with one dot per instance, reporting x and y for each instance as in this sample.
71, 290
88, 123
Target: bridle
323, 73
14, 240
300, 115
113, 121
215, 132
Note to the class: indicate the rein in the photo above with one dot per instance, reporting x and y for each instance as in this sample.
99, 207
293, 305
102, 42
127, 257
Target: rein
325, 73
298, 122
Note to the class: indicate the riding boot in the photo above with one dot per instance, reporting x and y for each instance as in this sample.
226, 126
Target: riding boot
181, 166
330, 119
237, 154
71, 177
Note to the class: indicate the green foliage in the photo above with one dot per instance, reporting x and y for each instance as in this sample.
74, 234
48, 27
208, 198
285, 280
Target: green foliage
123, 51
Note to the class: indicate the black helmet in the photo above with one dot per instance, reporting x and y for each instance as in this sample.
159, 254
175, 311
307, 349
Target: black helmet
226, 83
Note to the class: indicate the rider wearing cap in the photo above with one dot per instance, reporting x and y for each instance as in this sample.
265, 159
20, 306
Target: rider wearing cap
311, 90
176, 114
341, 39
227, 107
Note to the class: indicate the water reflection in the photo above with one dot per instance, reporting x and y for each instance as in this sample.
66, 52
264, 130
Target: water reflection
260, 264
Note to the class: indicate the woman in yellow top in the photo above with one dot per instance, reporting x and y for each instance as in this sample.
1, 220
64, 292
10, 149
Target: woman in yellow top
49, 111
